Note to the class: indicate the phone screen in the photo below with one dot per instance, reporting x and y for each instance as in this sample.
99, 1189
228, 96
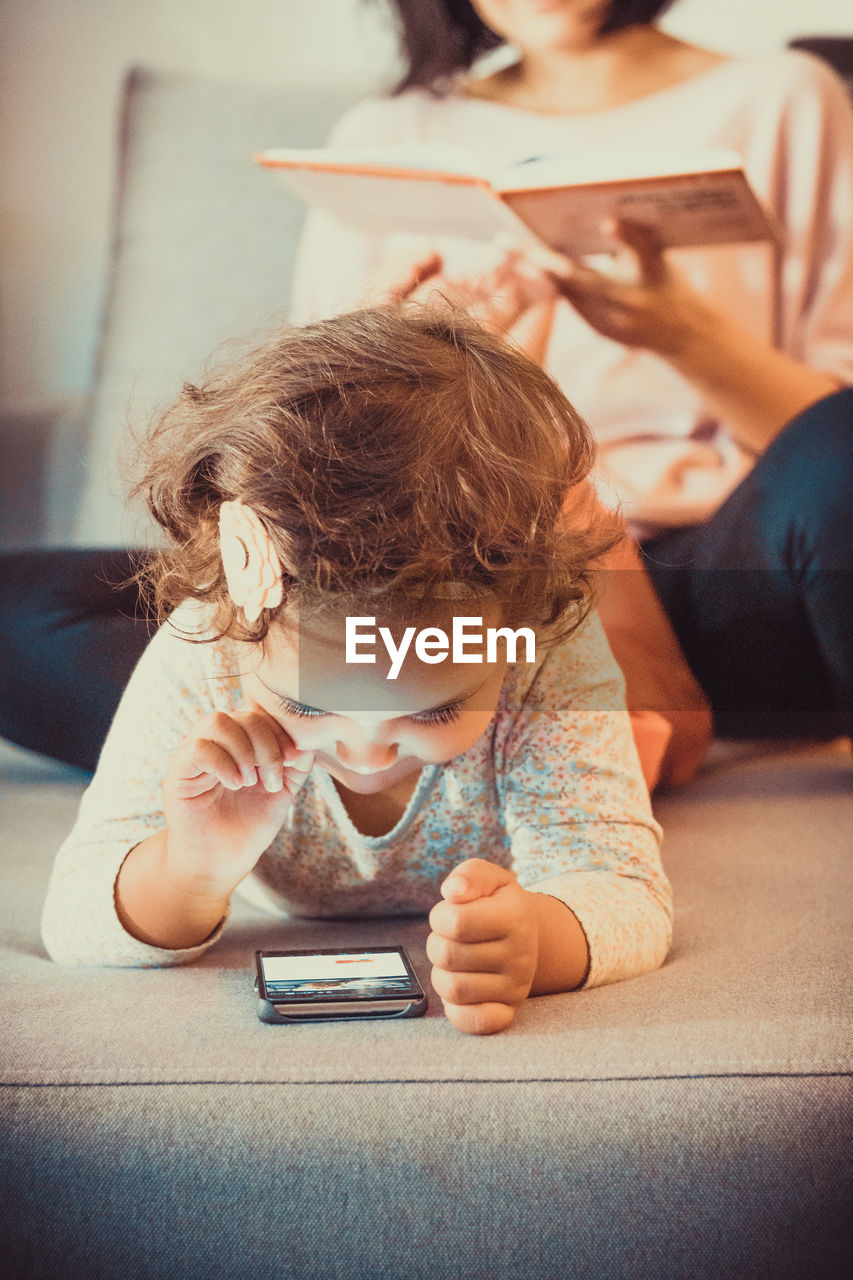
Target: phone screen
339, 975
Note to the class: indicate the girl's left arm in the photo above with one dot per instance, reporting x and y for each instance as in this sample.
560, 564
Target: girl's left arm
578, 813
586, 900
494, 943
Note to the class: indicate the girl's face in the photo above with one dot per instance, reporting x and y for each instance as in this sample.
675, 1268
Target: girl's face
543, 25
367, 731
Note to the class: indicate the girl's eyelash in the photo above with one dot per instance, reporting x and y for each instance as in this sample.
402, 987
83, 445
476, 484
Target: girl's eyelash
441, 715
297, 709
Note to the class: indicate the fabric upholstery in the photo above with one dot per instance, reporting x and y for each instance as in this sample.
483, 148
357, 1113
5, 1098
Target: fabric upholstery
753, 984
692, 1123
701, 1179
203, 250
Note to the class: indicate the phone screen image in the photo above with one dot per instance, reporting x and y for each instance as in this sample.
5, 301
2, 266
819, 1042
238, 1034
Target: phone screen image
365, 975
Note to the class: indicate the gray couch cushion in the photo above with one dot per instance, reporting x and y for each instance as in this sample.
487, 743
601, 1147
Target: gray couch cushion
693, 1124
203, 253
756, 983
708, 1179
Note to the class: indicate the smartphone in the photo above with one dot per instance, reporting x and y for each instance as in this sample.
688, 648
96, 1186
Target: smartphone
315, 986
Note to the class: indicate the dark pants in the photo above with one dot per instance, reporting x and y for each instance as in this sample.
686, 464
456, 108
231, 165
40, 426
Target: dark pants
761, 598
71, 631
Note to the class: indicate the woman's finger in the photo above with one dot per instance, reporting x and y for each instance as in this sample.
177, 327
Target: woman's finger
537, 254
645, 243
584, 282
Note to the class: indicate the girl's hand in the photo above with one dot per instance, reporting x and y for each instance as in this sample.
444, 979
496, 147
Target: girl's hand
226, 795
483, 947
644, 302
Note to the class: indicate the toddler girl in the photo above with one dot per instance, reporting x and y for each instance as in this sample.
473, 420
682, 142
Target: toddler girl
342, 507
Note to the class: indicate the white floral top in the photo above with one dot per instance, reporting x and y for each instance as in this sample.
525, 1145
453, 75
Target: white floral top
552, 789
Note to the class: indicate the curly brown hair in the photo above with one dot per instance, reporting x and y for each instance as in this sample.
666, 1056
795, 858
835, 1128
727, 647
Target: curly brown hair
389, 452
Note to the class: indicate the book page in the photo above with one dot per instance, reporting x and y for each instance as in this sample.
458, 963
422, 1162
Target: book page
431, 157
580, 166
379, 204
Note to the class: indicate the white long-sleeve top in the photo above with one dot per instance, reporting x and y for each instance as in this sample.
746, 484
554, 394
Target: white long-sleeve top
789, 118
552, 789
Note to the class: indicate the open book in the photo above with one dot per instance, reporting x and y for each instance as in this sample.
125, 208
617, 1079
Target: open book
696, 198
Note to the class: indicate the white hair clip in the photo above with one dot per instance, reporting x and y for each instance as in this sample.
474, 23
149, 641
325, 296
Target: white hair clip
249, 559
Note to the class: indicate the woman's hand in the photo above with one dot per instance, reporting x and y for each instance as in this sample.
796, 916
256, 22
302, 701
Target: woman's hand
483, 947
643, 302
226, 794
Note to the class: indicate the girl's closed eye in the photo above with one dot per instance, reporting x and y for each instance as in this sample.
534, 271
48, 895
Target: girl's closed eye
299, 709
437, 715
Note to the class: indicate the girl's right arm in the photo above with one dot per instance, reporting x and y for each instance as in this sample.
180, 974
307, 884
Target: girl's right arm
176, 685
226, 794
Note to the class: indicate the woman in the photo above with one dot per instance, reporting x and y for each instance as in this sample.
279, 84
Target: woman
693, 370
596, 73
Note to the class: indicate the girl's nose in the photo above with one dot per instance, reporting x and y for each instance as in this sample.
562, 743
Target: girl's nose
366, 757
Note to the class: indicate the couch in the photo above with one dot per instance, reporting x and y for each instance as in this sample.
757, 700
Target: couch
693, 1124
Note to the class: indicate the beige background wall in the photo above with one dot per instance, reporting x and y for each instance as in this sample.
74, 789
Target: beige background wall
61, 67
